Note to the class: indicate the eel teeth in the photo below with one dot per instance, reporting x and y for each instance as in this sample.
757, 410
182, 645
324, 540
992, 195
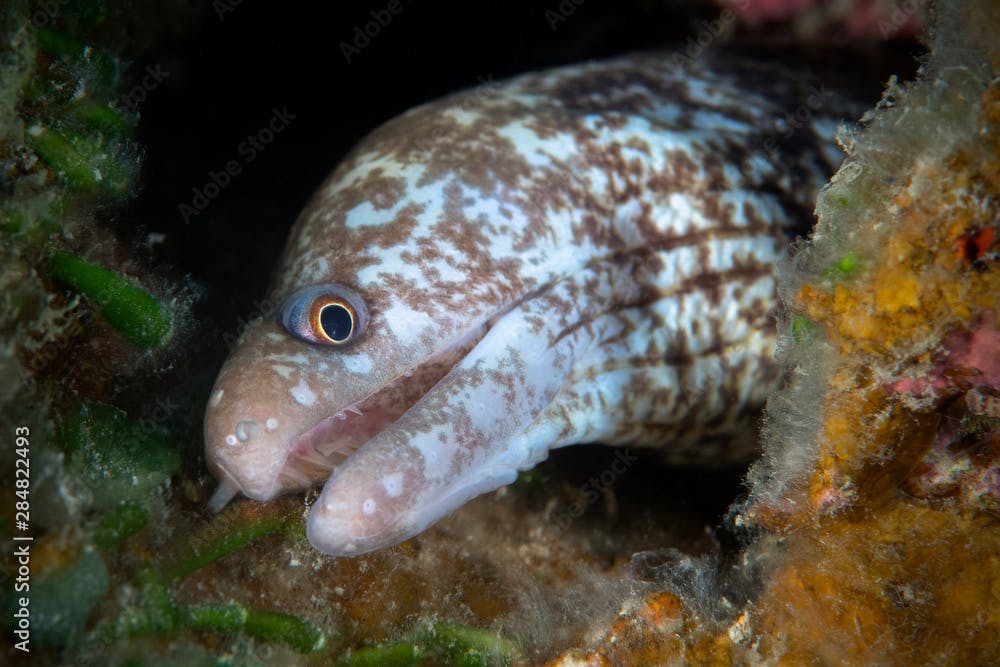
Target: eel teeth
315, 457
341, 416
354, 409
298, 477
225, 492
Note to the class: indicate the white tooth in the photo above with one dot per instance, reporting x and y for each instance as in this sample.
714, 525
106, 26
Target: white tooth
341, 415
354, 409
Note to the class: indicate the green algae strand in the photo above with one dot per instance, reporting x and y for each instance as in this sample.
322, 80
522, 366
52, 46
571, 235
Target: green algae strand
95, 64
129, 308
397, 654
220, 539
226, 618
272, 626
461, 646
267, 626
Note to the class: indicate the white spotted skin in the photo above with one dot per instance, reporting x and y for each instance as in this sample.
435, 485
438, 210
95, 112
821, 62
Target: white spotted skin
580, 255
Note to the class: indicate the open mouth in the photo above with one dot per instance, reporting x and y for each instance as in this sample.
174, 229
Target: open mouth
314, 453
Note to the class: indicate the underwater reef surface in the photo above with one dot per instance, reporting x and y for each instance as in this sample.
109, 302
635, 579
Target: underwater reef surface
875, 509
871, 518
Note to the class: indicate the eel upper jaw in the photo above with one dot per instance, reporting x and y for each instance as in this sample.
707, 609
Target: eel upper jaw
315, 452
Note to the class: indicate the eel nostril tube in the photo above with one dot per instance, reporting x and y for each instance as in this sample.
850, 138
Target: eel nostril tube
245, 430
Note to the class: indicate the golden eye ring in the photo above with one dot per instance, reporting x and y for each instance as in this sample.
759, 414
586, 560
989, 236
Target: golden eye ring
329, 314
333, 320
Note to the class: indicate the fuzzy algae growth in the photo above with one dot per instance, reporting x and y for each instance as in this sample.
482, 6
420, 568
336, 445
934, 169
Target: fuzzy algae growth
97, 472
877, 501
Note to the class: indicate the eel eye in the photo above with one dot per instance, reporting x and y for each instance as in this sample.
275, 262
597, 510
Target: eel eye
328, 314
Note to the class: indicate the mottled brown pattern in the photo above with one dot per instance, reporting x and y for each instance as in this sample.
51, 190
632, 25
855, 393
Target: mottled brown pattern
608, 233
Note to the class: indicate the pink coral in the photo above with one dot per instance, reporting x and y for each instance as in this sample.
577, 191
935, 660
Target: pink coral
969, 359
863, 19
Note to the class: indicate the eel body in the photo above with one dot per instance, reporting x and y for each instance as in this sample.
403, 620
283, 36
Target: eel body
585, 254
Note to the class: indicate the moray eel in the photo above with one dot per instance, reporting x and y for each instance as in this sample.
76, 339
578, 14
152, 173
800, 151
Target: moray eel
586, 254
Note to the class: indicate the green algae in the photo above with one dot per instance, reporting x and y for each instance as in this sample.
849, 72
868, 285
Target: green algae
396, 654
157, 613
123, 521
221, 539
70, 120
115, 458
847, 266
62, 600
268, 626
151, 611
132, 310
803, 329
272, 626
96, 65
86, 162
439, 643
88, 114
226, 618
461, 646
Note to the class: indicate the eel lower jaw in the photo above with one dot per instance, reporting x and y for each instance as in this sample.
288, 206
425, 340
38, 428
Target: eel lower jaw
314, 453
